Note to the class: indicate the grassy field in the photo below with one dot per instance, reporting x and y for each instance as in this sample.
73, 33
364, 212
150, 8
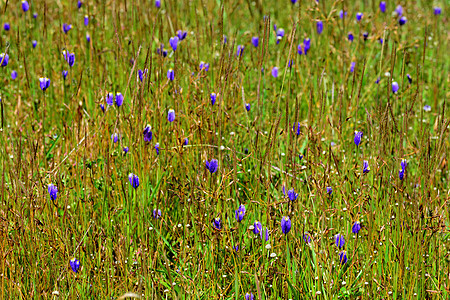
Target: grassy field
332, 172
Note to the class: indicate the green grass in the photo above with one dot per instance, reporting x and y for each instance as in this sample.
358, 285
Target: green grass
63, 137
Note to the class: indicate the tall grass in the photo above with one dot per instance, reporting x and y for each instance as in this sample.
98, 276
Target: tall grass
63, 137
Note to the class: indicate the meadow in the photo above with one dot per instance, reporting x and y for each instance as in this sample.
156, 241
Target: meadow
215, 149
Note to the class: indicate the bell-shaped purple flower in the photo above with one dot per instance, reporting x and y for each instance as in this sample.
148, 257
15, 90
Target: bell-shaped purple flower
356, 227
306, 45
383, 6
110, 99
427, 108
399, 10
34, 43
343, 257
352, 67
275, 72
249, 296
366, 167
148, 135
409, 78
157, 148
402, 21
307, 237
185, 142
115, 137
158, 3
265, 234
357, 138
181, 34
403, 164
25, 6
35, 15
141, 75
365, 35
257, 227
240, 213
125, 150
79, 4
44, 83
292, 195
437, 10
13, 75
395, 87
213, 98
4, 59
204, 66
255, 41
156, 214
339, 240
285, 224
247, 106
6, 27
350, 37
319, 26
171, 115
134, 180
342, 14
53, 191
74, 264
280, 35
66, 27
171, 75
119, 99
216, 223
240, 50
173, 41
88, 38
86, 20
359, 16
329, 190
212, 165
71, 59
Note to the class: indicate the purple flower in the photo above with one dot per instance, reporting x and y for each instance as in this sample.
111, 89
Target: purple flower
119, 99
4, 59
71, 59
283, 189
86, 20
359, 16
141, 75
378, 80
240, 213
158, 3
352, 67
383, 6
171, 115
395, 87
255, 41
381, 41
249, 296
186, 142
181, 34
174, 42
125, 149
366, 167
357, 138
217, 224
306, 45
297, 128
399, 10
156, 214
247, 106
148, 135
101, 105
401, 174
74, 264
13, 75
293, 1
402, 21
115, 137
53, 191
6, 27
44, 83
319, 25
257, 227
365, 36
213, 98
157, 148
134, 180
280, 35
88, 38
212, 165
204, 66
290, 63
300, 49
266, 234
427, 108
403, 164
66, 28
356, 227
35, 15
79, 4
34, 43
275, 72
342, 14
109, 97
437, 10
292, 194
339, 240
343, 257
25, 6
307, 238
171, 75
329, 190
240, 50
350, 37
224, 39
285, 224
